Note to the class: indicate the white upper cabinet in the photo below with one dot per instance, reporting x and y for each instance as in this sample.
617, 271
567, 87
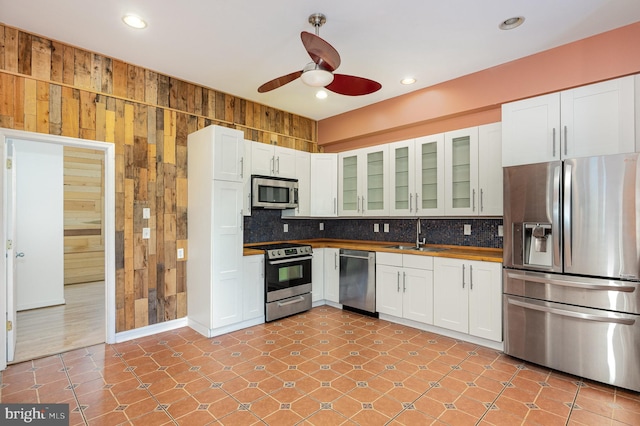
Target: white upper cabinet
363, 182
490, 170
461, 172
416, 177
303, 174
226, 158
272, 160
324, 185
596, 119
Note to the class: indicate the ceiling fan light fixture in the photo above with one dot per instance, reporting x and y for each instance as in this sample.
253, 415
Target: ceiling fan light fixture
511, 23
315, 76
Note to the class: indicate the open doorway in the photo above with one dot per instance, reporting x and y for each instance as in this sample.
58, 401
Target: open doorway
105, 312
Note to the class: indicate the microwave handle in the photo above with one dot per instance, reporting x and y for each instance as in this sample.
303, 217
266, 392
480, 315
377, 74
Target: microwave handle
295, 195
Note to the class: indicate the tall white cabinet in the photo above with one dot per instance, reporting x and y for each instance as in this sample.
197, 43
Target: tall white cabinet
215, 219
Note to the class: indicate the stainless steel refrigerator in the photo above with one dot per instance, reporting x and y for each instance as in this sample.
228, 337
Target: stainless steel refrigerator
572, 266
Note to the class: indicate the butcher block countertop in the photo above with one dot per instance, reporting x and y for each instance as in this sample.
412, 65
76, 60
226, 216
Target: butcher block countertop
457, 252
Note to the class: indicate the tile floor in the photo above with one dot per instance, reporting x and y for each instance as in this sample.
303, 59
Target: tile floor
323, 367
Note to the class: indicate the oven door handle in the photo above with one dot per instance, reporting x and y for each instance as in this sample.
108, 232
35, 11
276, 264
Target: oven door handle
585, 286
579, 315
291, 302
293, 259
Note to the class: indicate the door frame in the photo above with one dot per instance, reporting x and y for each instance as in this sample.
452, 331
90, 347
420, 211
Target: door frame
108, 150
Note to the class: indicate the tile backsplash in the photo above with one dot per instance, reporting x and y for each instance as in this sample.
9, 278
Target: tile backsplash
267, 225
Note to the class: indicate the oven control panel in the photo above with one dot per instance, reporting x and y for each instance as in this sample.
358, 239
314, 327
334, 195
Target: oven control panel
287, 252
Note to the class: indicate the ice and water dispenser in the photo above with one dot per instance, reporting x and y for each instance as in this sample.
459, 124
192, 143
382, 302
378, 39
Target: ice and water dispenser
533, 244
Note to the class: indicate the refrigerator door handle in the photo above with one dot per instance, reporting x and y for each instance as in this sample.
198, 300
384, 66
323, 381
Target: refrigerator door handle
580, 315
575, 284
556, 216
567, 214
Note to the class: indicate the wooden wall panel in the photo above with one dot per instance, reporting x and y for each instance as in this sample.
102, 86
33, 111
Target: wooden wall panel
50, 87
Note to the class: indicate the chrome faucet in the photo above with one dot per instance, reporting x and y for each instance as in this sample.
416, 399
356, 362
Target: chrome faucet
418, 233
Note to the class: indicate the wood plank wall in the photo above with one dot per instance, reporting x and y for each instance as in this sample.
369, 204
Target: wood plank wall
83, 215
50, 87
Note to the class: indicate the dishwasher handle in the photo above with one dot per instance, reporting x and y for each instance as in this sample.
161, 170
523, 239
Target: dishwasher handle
350, 256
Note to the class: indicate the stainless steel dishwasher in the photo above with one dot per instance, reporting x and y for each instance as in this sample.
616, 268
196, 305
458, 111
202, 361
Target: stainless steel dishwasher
358, 280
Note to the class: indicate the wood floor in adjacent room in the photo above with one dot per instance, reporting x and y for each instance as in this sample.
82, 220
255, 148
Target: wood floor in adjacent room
56, 329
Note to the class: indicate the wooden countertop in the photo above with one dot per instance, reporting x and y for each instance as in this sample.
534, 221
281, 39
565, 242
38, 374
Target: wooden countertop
457, 252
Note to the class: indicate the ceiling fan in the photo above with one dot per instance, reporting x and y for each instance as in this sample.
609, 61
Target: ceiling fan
319, 73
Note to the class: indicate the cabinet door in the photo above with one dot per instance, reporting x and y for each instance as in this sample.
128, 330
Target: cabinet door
348, 184
303, 174
450, 298
332, 275
317, 275
485, 300
253, 291
417, 295
262, 159
388, 290
598, 119
490, 170
461, 168
375, 181
402, 199
429, 179
285, 162
227, 259
246, 178
531, 130
228, 147
324, 185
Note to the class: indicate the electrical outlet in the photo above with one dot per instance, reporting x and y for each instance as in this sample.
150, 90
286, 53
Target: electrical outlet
386, 227
467, 229
376, 227
286, 227
500, 231
180, 253
146, 213
322, 226
146, 233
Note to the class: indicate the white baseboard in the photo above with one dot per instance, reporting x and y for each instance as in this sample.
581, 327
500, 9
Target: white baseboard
212, 332
150, 329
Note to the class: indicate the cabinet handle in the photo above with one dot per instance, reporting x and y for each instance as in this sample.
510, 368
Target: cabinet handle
278, 168
358, 205
404, 282
335, 260
242, 167
473, 199
471, 277
273, 165
410, 203
565, 140
481, 200
417, 202
554, 143
363, 205
463, 283
241, 219
398, 281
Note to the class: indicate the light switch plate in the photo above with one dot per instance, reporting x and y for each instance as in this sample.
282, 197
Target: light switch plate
180, 253
386, 227
322, 226
376, 227
146, 213
146, 233
500, 231
467, 229
286, 227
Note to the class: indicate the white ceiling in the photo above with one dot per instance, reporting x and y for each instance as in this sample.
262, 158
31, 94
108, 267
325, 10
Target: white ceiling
236, 45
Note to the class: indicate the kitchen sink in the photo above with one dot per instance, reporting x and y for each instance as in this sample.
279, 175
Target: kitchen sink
414, 248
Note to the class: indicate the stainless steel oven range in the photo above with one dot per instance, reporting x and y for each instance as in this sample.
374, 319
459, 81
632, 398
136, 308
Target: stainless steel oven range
287, 279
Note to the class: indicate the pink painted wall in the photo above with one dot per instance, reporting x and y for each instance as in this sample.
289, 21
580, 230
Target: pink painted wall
476, 98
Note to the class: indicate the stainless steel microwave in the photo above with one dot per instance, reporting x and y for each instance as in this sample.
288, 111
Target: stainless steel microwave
269, 192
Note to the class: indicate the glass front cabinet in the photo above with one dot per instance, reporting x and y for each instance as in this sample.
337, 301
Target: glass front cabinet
363, 182
461, 169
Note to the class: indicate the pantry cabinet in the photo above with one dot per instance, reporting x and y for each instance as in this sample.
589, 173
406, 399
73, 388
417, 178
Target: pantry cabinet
404, 286
467, 297
596, 119
363, 182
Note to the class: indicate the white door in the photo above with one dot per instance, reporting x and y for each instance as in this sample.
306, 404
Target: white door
39, 220
9, 204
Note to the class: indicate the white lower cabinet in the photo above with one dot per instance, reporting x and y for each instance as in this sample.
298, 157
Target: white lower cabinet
317, 275
404, 286
332, 275
467, 297
253, 287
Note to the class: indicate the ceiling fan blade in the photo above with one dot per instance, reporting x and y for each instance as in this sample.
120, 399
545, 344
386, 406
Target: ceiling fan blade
353, 86
321, 52
280, 81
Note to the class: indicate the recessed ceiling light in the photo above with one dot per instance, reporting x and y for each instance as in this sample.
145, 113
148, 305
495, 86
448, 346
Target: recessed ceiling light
321, 94
408, 80
134, 21
511, 23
